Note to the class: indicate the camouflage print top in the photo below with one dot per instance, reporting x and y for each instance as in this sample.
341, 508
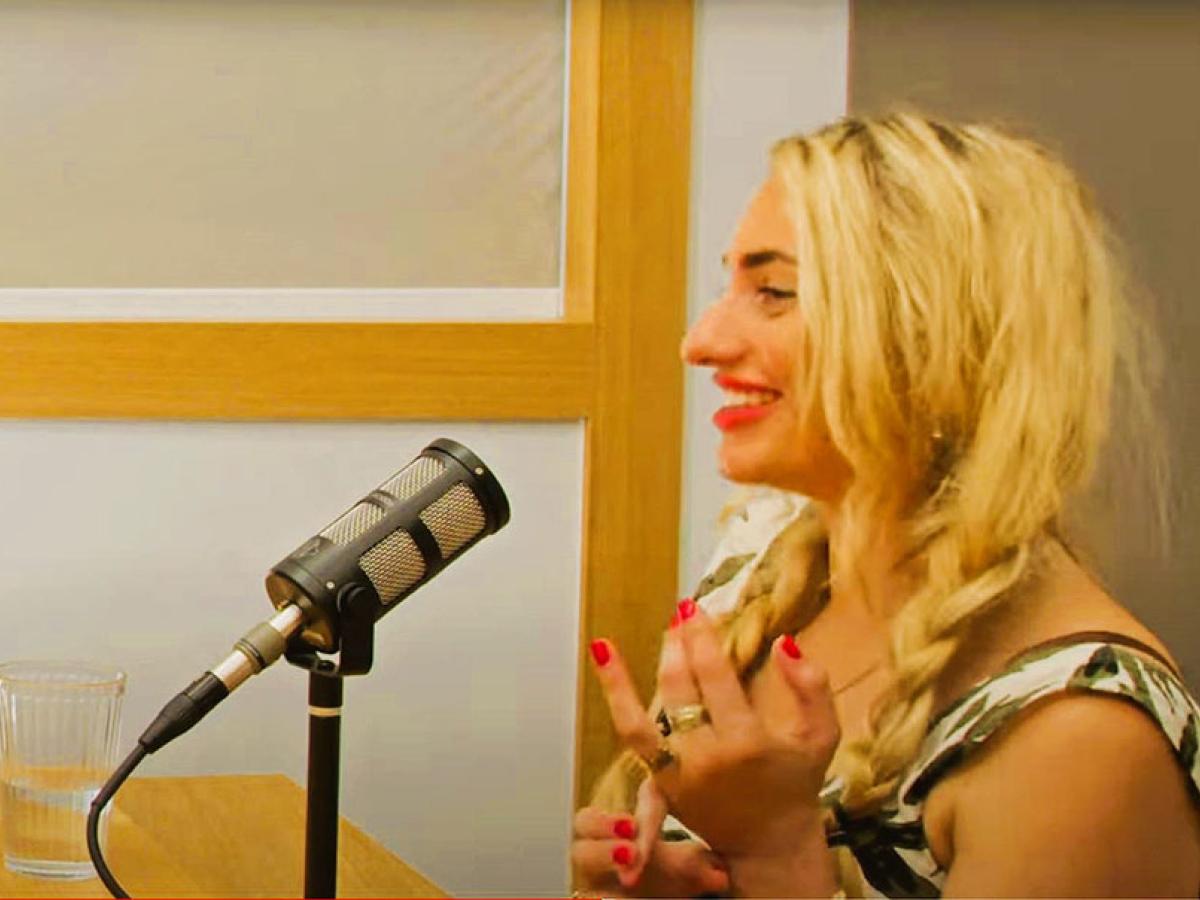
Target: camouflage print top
890, 847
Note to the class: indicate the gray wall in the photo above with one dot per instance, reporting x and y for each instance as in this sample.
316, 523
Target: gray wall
1112, 85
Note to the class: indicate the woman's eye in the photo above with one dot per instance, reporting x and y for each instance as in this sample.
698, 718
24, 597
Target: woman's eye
775, 299
777, 293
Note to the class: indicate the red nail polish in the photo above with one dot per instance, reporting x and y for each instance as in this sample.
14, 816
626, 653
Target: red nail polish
687, 609
674, 619
622, 854
600, 652
624, 829
789, 647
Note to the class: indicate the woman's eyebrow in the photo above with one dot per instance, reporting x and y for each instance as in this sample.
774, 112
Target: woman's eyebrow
758, 258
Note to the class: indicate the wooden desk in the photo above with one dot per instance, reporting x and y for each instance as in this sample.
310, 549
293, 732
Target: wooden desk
224, 836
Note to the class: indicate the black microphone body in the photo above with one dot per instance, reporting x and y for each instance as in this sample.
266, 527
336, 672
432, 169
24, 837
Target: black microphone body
395, 539
392, 541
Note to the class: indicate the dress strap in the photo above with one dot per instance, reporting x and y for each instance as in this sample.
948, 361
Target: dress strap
1090, 663
1093, 637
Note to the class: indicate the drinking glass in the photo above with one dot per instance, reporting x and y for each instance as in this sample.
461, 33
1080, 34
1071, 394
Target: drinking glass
60, 724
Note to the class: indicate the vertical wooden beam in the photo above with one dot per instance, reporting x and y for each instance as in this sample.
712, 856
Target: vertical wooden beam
582, 175
633, 435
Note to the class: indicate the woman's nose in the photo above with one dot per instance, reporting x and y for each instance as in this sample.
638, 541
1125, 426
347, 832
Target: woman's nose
712, 340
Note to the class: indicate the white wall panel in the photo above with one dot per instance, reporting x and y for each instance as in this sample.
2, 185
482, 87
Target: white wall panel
145, 544
764, 69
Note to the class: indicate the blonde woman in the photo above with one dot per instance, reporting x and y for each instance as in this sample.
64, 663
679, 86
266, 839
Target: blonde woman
921, 334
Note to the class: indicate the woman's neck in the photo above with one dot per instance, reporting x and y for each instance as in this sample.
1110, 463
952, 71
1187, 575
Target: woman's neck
869, 577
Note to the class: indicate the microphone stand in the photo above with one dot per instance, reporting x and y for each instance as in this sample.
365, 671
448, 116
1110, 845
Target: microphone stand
324, 764
358, 611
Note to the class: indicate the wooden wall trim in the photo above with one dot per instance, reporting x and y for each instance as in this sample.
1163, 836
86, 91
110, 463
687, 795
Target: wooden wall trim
633, 445
296, 371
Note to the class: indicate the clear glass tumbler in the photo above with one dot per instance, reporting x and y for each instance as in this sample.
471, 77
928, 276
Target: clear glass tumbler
60, 726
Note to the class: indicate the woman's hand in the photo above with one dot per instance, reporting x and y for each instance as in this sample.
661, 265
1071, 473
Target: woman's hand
747, 785
622, 855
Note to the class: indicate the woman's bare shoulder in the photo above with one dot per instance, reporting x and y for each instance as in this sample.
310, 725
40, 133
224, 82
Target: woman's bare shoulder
1063, 600
1085, 774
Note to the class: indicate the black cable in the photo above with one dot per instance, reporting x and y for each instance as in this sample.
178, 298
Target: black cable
93, 823
185, 709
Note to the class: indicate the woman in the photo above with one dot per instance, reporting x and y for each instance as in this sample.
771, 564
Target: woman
921, 333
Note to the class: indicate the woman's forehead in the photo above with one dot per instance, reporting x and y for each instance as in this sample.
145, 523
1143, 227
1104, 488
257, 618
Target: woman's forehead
764, 227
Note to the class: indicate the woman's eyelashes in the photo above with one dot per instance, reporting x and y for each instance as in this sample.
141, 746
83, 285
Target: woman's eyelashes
775, 300
776, 293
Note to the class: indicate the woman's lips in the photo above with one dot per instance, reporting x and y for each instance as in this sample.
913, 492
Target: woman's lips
745, 402
729, 417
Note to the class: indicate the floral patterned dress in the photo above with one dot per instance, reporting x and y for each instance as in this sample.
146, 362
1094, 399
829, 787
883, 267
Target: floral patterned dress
890, 847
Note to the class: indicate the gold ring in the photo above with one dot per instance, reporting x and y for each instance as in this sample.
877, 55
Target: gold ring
662, 758
682, 719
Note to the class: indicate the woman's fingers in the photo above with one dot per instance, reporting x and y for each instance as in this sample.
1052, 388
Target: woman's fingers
648, 814
628, 715
722, 691
594, 823
676, 686
608, 849
810, 684
601, 863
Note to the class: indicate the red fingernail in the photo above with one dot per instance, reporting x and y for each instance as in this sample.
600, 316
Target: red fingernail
600, 652
675, 619
624, 829
622, 855
789, 647
687, 609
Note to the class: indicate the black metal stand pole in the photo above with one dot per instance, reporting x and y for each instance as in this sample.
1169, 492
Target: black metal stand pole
324, 751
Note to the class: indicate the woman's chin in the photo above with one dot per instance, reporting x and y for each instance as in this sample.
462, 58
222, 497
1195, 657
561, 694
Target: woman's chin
735, 468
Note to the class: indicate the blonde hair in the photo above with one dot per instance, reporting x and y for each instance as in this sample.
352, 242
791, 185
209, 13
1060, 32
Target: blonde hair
965, 316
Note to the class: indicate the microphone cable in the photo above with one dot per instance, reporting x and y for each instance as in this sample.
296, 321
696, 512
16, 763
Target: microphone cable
95, 851
254, 652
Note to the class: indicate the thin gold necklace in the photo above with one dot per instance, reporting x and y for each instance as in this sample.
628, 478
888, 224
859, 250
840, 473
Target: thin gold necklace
857, 679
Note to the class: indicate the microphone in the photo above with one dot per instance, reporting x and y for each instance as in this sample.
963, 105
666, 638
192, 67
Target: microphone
357, 569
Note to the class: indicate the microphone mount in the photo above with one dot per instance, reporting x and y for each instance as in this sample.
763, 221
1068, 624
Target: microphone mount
358, 610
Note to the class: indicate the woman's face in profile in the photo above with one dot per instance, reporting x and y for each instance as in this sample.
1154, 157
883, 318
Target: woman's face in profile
753, 338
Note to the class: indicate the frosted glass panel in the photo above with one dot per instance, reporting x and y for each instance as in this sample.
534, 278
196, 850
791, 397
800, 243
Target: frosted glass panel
281, 143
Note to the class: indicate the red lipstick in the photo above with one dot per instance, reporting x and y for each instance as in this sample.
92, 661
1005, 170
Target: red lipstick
729, 417
729, 383
737, 415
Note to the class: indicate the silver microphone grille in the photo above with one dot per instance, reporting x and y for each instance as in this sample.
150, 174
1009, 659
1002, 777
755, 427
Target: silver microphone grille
359, 520
454, 519
393, 565
408, 482
414, 477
